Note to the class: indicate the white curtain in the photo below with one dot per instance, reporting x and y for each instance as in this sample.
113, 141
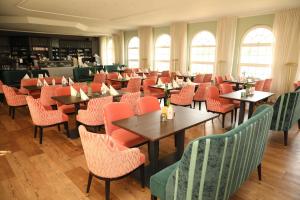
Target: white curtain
225, 43
146, 46
118, 47
103, 49
297, 77
178, 47
286, 30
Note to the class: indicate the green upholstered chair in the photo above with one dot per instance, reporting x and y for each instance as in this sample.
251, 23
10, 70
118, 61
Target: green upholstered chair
81, 74
286, 113
215, 166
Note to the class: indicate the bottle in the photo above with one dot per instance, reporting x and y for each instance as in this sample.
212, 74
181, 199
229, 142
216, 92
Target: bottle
170, 113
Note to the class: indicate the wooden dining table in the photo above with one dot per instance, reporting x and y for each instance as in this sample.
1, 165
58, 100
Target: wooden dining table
239, 82
257, 96
153, 129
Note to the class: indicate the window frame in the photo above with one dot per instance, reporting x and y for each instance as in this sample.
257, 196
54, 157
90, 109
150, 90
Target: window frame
162, 47
191, 62
254, 45
137, 48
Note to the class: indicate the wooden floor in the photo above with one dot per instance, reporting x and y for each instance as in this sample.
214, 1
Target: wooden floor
57, 169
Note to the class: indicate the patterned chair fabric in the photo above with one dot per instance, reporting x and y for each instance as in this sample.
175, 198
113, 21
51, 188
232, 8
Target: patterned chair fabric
207, 78
286, 113
147, 104
96, 87
134, 85
165, 79
46, 93
199, 78
185, 96
113, 75
107, 158
165, 74
219, 80
267, 85
29, 82
99, 78
131, 99
215, 166
259, 85
42, 117
200, 94
93, 115
148, 91
12, 98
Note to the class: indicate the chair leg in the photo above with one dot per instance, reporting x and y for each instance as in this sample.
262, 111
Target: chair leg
41, 135
191, 106
299, 124
89, 182
200, 105
285, 138
58, 127
9, 110
153, 197
35, 131
232, 116
107, 189
142, 174
194, 104
13, 112
223, 120
259, 171
66, 125
235, 113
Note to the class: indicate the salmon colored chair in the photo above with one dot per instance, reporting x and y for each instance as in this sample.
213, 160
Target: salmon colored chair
134, 85
267, 85
296, 85
217, 105
165, 74
96, 87
131, 99
47, 92
259, 85
113, 75
199, 78
153, 73
200, 94
148, 91
165, 79
147, 104
29, 82
1, 92
43, 118
219, 80
226, 88
173, 75
93, 115
99, 78
107, 160
13, 99
117, 111
185, 96
207, 78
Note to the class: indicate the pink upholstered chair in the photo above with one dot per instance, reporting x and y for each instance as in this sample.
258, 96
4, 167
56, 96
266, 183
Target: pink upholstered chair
113, 75
43, 118
219, 80
226, 88
200, 94
173, 76
13, 99
165, 79
207, 78
147, 104
96, 87
93, 115
117, 111
153, 73
199, 78
185, 96
217, 105
29, 82
47, 92
131, 99
165, 74
134, 85
1, 84
99, 78
108, 160
148, 91
267, 85
259, 85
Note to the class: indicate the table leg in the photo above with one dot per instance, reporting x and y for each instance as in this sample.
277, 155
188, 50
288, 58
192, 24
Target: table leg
77, 107
251, 109
242, 112
179, 143
153, 155
237, 86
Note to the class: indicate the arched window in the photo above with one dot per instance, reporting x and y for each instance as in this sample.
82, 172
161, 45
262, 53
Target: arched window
256, 53
109, 52
202, 54
162, 52
133, 52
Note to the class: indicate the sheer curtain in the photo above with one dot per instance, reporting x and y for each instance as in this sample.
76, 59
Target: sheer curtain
103, 49
146, 46
286, 30
178, 46
225, 42
118, 47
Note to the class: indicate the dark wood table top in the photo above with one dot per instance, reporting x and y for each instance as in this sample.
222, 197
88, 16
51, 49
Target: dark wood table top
33, 87
170, 86
68, 100
257, 96
151, 127
239, 81
123, 79
186, 76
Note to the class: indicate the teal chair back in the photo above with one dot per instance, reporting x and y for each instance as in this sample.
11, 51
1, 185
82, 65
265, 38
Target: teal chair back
215, 166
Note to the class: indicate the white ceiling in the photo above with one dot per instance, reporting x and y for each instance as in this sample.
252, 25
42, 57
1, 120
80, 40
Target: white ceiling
100, 17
